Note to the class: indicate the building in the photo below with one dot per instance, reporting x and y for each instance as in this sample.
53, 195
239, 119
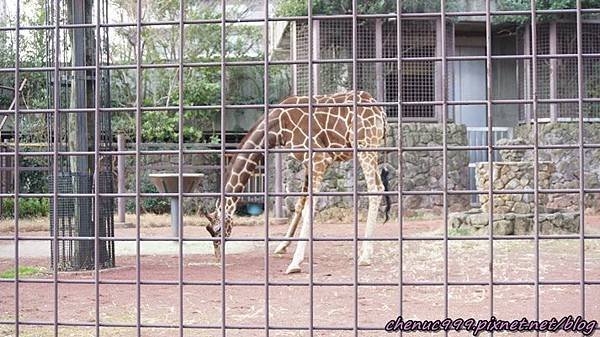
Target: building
466, 79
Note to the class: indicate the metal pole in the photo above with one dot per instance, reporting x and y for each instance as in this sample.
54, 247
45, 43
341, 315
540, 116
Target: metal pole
121, 178
553, 71
278, 185
175, 216
380, 86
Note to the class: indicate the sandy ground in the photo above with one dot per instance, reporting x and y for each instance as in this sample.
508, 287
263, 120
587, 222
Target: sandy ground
289, 306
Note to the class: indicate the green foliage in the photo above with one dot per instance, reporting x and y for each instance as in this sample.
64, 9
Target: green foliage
33, 181
329, 7
28, 207
202, 85
24, 271
525, 5
33, 53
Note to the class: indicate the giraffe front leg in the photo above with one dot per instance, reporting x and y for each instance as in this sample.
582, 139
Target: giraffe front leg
321, 164
282, 247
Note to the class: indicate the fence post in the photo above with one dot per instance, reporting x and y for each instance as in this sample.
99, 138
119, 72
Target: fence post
121, 178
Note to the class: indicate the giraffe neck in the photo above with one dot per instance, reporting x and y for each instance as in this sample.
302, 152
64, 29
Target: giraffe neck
243, 165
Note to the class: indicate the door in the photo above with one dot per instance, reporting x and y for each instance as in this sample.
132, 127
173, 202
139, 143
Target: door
469, 84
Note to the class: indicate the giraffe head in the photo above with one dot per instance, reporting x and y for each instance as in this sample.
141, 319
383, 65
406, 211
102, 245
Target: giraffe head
214, 228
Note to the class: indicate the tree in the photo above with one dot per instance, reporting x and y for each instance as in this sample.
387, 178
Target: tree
202, 85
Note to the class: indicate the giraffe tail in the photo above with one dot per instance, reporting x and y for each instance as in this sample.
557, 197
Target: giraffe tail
386, 187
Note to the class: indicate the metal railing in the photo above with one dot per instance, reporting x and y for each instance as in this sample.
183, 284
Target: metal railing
581, 280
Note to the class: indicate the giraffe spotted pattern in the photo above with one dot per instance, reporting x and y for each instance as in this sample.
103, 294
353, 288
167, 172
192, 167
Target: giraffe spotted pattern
333, 128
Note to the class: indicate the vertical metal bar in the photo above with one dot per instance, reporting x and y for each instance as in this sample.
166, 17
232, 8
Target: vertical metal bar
553, 70
181, 160
138, 141
222, 181
400, 153
16, 163
55, 157
580, 89
439, 73
97, 171
355, 199
315, 53
444, 148
490, 149
380, 87
121, 202
535, 158
310, 168
294, 55
528, 75
266, 164
278, 206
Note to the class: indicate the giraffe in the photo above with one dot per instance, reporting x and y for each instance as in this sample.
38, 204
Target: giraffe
332, 128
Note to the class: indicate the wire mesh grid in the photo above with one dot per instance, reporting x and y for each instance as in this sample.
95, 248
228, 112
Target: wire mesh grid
419, 78
557, 76
402, 103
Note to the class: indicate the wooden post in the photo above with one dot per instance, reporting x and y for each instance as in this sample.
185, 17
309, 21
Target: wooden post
121, 178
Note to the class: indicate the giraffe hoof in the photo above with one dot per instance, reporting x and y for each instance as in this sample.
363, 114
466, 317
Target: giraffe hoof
293, 270
364, 262
281, 249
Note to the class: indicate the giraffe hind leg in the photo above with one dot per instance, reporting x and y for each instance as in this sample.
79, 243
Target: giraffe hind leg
368, 162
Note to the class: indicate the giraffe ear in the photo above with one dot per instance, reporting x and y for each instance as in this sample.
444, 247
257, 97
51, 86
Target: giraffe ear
209, 216
211, 230
212, 217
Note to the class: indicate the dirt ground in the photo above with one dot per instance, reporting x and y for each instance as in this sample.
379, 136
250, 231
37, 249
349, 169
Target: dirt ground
333, 305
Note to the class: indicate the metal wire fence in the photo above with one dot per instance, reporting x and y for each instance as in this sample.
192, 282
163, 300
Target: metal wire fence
416, 93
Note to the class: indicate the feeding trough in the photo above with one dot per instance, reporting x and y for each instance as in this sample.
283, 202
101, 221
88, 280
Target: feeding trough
169, 183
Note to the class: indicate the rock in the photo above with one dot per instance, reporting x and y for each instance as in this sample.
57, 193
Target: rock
456, 220
521, 208
473, 211
512, 154
523, 224
503, 227
479, 220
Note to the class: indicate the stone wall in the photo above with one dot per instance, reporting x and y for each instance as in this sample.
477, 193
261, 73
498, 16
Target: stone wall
422, 170
567, 161
512, 176
477, 222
